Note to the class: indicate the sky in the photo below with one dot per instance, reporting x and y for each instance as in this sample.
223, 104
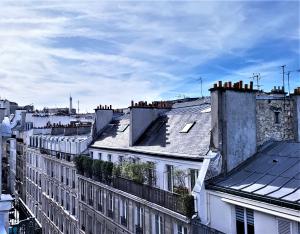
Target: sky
112, 52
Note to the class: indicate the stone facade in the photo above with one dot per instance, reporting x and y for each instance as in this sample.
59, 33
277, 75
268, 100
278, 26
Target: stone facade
104, 209
275, 118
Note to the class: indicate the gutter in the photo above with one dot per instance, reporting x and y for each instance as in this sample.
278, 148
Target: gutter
261, 198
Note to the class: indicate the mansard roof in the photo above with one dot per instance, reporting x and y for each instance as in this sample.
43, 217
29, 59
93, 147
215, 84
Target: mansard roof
272, 175
164, 136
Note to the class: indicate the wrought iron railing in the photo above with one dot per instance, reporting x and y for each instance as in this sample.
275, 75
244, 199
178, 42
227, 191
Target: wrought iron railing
183, 204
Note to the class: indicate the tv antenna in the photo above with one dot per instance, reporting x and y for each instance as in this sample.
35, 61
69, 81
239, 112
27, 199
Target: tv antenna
256, 78
201, 84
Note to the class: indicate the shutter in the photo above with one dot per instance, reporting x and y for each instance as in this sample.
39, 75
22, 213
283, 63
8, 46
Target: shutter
239, 213
284, 226
250, 218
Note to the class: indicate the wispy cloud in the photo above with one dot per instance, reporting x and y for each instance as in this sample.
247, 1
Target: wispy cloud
113, 51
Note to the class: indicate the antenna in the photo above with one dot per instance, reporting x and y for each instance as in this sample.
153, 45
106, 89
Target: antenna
283, 73
256, 78
78, 107
200, 78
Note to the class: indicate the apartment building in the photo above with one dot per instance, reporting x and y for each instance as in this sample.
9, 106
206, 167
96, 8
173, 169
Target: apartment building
169, 143
51, 184
261, 194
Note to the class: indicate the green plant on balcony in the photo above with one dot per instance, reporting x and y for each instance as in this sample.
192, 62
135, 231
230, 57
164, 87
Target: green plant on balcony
179, 182
79, 164
107, 169
188, 205
87, 164
97, 169
138, 172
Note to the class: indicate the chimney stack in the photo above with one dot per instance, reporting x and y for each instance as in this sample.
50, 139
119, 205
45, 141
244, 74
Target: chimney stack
233, 122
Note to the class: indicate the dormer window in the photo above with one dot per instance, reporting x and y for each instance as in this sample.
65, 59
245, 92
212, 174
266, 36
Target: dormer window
187, 127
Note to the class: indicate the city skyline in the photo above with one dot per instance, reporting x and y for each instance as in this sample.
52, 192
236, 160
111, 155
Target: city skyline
113, 52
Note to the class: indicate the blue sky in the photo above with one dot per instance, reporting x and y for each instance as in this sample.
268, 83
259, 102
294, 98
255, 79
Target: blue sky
111, 52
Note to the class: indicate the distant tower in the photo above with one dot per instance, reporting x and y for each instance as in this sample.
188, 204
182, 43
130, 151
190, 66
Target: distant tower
70, 108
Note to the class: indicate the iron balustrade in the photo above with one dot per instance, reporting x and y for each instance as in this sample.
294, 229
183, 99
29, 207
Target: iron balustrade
158, 196
58, 154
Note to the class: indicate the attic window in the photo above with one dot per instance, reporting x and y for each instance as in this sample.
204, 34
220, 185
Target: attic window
187, 127
122, 127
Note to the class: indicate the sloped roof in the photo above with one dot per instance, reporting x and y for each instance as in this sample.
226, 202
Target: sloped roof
273, 174
163, 135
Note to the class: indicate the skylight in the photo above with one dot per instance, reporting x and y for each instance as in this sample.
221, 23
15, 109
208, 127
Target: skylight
122, 127
187, 127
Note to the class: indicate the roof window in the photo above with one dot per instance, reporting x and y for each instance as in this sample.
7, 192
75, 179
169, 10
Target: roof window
122, 127
187, 127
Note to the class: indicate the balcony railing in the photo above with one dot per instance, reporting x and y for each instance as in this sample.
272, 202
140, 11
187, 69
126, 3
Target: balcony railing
169, 200
58, 154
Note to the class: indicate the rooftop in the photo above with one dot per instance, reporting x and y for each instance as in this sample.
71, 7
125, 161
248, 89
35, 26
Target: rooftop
272, 175
165, 135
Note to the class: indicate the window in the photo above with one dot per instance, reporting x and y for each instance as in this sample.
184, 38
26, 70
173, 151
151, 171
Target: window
73, 205
67, 176
124, 212
122, 127
139, 217
91, 153
170, 170
284, 226
187, 127
99, 200
121, 159
276, 117
151, 174
100, 156
158, 224
109, 157
244, 220
181, 229
194, 175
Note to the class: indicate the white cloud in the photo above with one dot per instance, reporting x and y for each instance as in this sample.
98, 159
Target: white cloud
142, 49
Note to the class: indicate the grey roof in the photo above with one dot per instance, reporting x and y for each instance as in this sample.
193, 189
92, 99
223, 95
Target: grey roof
163, 135
273, 174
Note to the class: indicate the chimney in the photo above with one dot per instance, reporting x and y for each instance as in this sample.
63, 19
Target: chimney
103, 117
142, 115
71, 106
296, 100
2, 114
233, 123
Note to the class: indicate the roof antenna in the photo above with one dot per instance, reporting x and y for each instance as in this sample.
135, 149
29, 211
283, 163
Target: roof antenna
78, 107
256, 78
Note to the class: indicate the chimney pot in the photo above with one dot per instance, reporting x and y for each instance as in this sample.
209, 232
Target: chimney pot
220, 84
132, 103
251, 85
241, 84
215, 85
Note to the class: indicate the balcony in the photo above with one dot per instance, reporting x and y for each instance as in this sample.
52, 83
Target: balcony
175, 202
123, 221
110, 214
57, 154
181, 202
